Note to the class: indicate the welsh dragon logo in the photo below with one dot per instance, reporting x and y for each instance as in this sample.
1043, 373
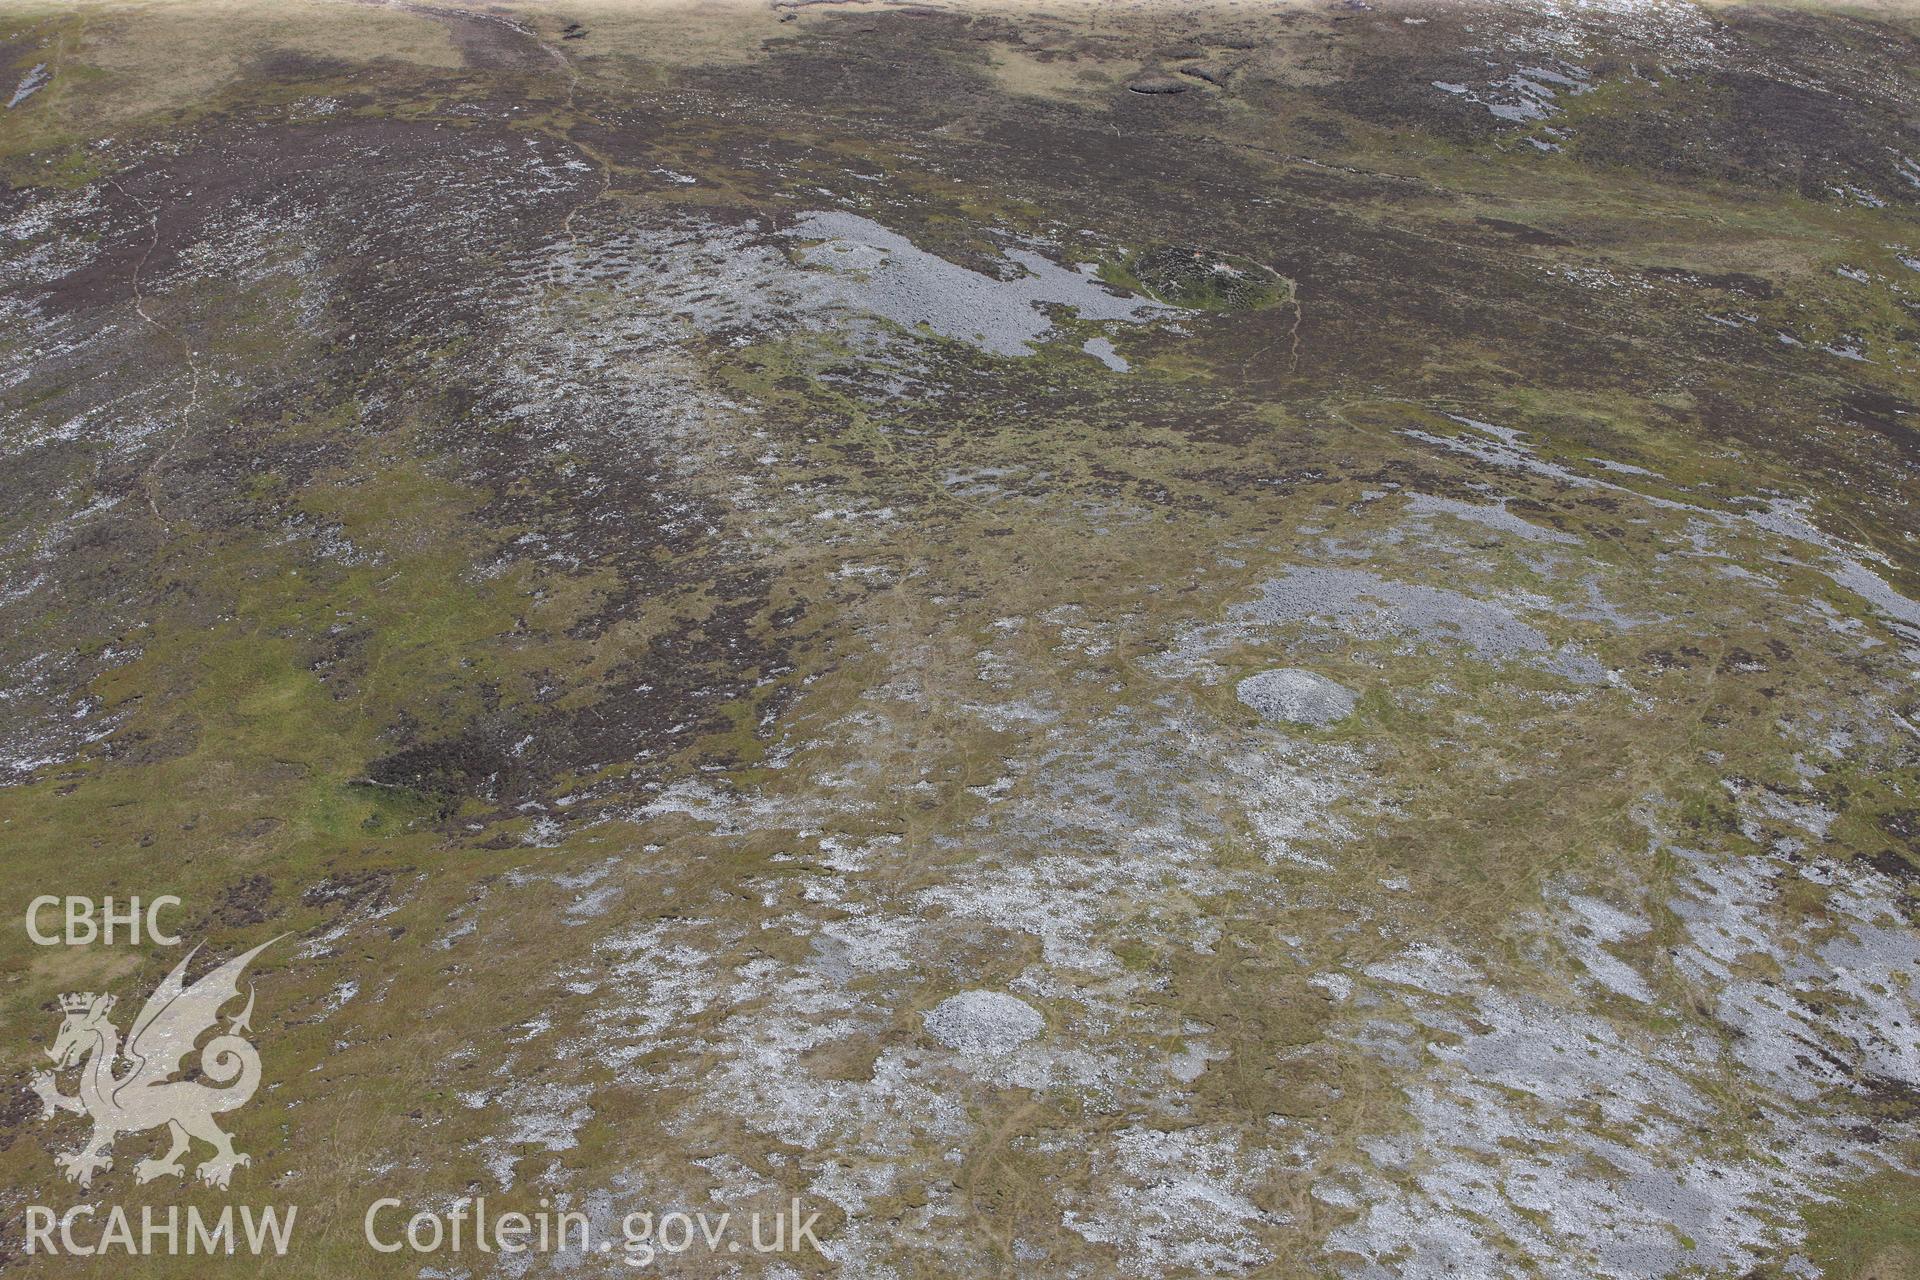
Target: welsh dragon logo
146, 1096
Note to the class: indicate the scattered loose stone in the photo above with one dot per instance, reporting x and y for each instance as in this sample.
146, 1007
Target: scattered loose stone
870, 268
30, 84
1102, 350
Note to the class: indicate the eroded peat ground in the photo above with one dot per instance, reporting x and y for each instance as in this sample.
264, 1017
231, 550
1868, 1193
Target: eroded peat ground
1120, 640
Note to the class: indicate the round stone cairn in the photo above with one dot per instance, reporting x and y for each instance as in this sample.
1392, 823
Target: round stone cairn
984, 1023
1297, 697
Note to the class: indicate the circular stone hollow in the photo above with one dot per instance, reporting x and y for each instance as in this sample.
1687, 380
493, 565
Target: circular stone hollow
1158, 82
1297, 697
983, 1023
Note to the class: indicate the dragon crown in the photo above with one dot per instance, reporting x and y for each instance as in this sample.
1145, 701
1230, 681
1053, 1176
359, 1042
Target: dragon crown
81, 1001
